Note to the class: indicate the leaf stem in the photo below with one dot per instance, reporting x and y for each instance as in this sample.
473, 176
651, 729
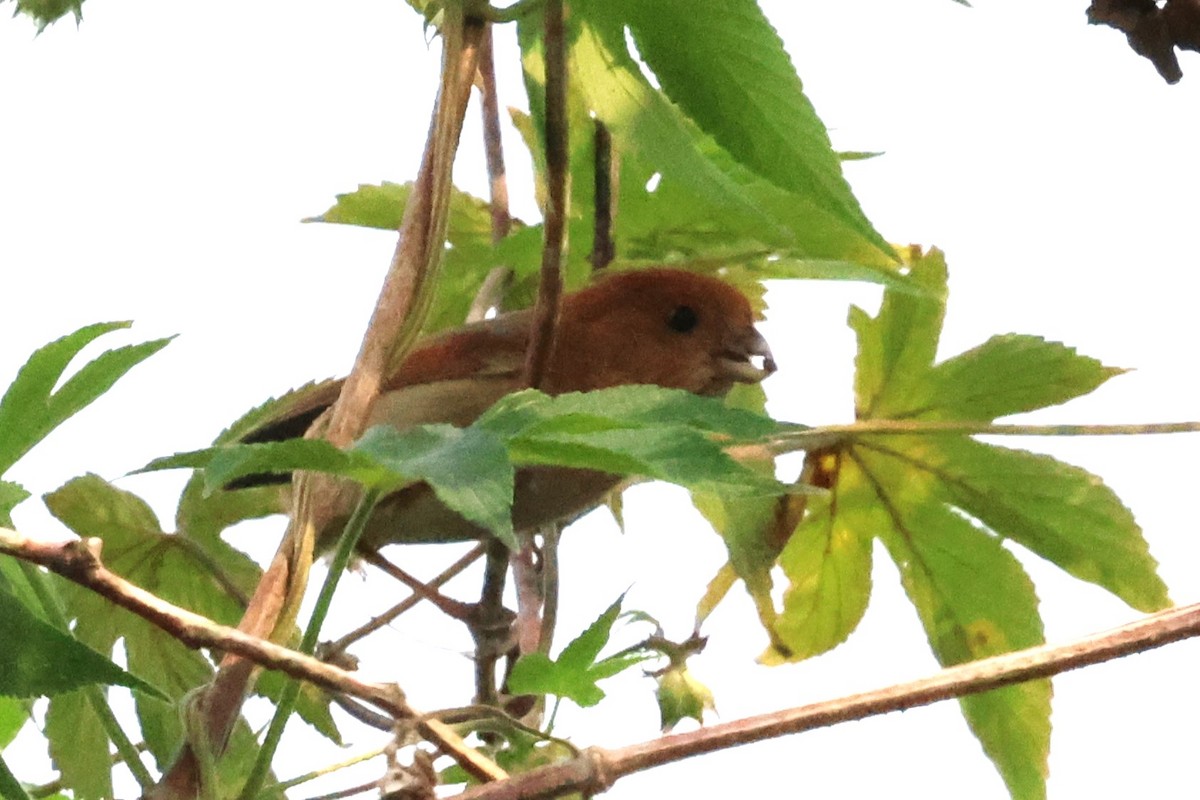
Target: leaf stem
827, 435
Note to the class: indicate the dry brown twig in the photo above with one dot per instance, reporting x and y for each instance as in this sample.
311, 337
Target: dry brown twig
394, 326
598, 769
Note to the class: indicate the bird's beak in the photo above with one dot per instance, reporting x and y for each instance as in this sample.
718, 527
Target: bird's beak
747, 359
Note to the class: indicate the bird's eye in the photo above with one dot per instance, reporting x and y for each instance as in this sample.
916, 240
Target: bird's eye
683, 319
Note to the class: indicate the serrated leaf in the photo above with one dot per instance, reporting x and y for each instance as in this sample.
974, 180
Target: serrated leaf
79, 746
575, 673
468, 469
469, 256
46, 12
710, 59
1010, 374
31, 407
312, 704
1061, 512
226, 463
39, 659
11, 496
640, 430
974, 600
14, 713
628, 405
827, 562
897, 347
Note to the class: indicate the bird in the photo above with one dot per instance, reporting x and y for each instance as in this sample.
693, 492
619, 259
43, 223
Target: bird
664, 326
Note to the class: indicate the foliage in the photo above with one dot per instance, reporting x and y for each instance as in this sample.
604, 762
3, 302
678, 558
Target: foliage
752, 196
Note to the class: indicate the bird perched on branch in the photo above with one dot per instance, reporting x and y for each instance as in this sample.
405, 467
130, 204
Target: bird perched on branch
668, 327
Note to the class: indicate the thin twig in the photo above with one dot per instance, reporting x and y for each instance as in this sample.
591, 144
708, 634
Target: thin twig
339, 646
605, 177
79, 561
493, 146
394, 325
545, 314
598, 769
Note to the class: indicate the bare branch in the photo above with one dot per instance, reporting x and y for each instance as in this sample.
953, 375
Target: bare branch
78, 560
598, 769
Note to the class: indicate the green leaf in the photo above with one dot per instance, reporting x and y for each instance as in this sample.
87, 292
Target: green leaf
896, 349
974, 600
39, 659
1009, 375
14, 713
468, 469
223, 464
10, 787
31, 407
467, 259
1061, 512
178, 569
713, 58
575, 673
11, 496
640, 430
46, 12
79, 746
312, 704
827, 562
929, 498
630, 405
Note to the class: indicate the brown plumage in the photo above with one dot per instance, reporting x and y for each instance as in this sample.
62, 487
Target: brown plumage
667, 327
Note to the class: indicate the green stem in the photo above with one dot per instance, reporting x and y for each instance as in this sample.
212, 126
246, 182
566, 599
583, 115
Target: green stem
277, 788
52, 606
287, 700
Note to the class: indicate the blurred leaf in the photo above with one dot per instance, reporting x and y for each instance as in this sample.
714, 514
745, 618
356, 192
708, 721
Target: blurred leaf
39, 659
10, 787
47, 12
79, 746
312, 704
468, 258
11, 496
14, 713
31, 407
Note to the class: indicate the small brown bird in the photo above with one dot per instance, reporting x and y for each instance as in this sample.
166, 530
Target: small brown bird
668, 327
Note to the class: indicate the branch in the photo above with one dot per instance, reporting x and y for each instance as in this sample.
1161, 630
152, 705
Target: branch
598, 769
545, 313
828, 435
79, 561
394, 326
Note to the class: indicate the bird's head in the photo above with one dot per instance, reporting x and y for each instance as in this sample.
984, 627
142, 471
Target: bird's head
668, 327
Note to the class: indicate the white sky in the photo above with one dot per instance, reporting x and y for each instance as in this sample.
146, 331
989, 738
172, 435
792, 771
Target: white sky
157, 160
